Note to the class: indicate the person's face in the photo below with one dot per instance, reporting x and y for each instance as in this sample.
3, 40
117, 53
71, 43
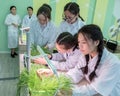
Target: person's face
13, 10
30, 11
61, 48
69, 17
87, 46
42, 19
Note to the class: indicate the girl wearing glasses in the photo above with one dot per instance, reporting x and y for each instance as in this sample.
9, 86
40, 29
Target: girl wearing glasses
43, 31
72, 21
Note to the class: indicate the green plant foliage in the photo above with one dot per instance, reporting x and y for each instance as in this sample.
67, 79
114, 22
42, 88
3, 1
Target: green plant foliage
35, 52
44, 86
46, 50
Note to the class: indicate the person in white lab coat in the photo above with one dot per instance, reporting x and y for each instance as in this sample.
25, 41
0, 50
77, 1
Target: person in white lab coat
97, 65
30, 17
43, 30
68, 53
72, 21
12, 21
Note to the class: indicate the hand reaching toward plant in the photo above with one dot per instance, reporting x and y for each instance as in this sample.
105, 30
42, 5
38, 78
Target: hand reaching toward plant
40, 60
44, 72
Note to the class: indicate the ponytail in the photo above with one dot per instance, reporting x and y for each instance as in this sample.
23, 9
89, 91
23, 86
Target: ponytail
81, 18
93, 74
86, 67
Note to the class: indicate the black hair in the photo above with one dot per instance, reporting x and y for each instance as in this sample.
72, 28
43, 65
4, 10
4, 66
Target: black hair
45, 10
12, 7
73, 8
48, 6
29, 7
67, 39
92, 32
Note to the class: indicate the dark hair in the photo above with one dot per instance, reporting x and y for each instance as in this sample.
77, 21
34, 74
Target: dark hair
67, 39
92, 32
48, 6
73, 8
29, 7
12, 7
45, 10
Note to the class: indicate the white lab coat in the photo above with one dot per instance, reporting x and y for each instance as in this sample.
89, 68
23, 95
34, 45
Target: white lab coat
107, 82
27, 21
12, 31
66, 61
72, 28
43, 35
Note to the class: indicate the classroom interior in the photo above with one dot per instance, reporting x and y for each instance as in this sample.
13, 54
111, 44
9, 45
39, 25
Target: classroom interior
103, 13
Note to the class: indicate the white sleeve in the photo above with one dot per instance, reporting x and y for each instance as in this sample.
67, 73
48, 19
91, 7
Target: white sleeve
51, 42
69, 63
85, 90
75, 74
103, 84
107, 79
58, 57
8, 20
62, 66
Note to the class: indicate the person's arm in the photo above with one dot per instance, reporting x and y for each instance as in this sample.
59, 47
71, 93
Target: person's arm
17, 24
84, 90
42, 60
57, 57
53, 31
76, 74
70, 62
8, 20
104, 83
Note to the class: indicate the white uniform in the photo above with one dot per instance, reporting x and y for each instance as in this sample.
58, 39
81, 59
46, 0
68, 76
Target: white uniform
66, 61
72, 28
107, 82
12, 31
43, 35
27, 20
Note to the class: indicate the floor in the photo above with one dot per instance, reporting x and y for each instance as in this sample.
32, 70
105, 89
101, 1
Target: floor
9, 73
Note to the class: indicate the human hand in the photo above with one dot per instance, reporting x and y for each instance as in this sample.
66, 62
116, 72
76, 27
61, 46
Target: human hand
64, 92
40, 60
27, 29
44, 72
46, 47
15, 25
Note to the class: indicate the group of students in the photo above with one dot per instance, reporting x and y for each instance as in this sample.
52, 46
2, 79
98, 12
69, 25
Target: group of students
81, 52
90, 60
43, 31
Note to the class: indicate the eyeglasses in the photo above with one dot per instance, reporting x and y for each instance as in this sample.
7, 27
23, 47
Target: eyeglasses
68, 19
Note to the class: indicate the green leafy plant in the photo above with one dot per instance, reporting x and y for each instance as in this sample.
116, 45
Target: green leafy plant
35, 52
44, 86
